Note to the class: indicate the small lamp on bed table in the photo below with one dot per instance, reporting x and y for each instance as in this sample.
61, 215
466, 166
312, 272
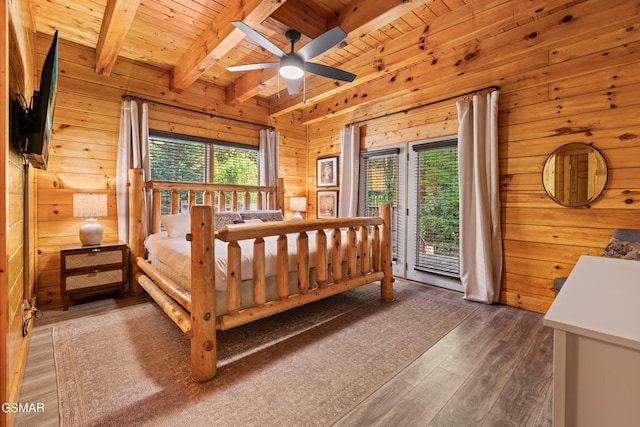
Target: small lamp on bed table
298, 204
90, 206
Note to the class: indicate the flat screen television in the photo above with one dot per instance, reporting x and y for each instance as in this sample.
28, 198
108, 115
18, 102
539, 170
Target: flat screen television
38, 134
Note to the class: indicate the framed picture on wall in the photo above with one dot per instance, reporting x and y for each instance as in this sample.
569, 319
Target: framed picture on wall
327, 169
327, 206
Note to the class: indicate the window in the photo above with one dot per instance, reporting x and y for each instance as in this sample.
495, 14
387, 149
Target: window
174, 157
183, 158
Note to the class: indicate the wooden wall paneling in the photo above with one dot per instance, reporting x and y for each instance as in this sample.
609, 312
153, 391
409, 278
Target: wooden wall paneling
567, 217
601, 97
293, 165
525, 301
554, 253
580, 123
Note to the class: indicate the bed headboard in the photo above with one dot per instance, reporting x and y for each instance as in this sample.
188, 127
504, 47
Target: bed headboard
226, 197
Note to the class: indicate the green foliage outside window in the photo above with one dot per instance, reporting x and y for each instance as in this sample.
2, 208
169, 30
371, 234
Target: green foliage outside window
382, 180
176, 161
438, 200
235, 166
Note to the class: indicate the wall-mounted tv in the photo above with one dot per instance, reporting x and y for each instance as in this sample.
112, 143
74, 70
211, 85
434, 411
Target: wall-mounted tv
40, 116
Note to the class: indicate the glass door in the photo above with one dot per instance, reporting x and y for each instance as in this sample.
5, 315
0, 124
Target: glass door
433, 213
382, 180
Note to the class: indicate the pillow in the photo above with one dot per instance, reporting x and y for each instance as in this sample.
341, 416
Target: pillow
618, 248
226, 218
177, 225
265, 215
248, 221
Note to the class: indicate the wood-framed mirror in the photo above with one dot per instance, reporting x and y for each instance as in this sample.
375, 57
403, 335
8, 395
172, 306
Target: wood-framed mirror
574, 174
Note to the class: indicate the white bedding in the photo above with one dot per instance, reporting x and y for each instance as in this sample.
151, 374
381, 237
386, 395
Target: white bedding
173, 256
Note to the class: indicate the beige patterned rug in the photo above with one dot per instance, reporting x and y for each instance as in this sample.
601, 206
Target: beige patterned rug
304, 367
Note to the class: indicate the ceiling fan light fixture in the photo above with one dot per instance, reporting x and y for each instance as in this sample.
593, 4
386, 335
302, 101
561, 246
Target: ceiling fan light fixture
292, 67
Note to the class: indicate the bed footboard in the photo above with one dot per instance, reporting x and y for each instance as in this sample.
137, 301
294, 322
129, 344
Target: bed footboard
367, 260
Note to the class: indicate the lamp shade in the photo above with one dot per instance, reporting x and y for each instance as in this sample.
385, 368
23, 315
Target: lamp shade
89, 206
86, 205
298, 204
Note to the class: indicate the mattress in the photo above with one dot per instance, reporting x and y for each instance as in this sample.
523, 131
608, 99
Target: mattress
172, 256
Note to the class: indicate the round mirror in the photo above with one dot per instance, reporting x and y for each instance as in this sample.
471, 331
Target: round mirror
574, 174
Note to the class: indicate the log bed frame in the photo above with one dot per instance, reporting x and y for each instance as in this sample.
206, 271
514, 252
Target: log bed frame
195, 312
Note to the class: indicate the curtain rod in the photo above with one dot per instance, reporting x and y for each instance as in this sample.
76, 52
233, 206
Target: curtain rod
406, 110
211, 115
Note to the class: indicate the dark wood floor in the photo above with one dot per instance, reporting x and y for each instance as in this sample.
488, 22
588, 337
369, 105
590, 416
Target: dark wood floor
494, 369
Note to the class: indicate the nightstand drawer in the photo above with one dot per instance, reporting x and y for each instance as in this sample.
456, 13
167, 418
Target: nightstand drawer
93, 258
99, 278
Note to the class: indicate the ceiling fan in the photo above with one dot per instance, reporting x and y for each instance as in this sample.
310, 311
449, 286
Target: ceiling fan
292, 65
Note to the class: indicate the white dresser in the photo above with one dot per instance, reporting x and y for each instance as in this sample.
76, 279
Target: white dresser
596, 356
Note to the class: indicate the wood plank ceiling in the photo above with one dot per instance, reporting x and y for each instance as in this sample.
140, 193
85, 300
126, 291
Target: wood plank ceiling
196, 40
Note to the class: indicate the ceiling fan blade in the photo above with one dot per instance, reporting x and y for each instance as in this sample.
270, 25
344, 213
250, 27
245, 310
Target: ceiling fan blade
329, 72
322, 43
249, 67
259, 38
293, 86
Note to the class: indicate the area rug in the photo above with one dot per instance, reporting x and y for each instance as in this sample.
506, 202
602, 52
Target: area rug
307, 366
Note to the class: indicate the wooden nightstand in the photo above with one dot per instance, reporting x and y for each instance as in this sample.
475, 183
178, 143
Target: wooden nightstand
92, 270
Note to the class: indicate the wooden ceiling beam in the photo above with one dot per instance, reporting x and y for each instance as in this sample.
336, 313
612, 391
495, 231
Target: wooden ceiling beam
361, 17
118, 16
219, 38
356, 18
304, 17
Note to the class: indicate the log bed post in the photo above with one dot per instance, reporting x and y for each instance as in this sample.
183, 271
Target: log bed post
386, 285
322, 271
203, 295
336, 255
279, 195
303, 262
137, 225
155, 211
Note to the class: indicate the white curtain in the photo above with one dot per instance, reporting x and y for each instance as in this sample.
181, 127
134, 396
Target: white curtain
480, 233
268, 158
350, 165
133, 152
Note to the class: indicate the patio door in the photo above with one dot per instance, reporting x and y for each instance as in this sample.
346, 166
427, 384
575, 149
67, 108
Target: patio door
420, 181
383, 180
433, 213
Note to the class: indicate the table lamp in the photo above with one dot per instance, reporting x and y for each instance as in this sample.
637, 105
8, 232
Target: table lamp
90, 206
298, 204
